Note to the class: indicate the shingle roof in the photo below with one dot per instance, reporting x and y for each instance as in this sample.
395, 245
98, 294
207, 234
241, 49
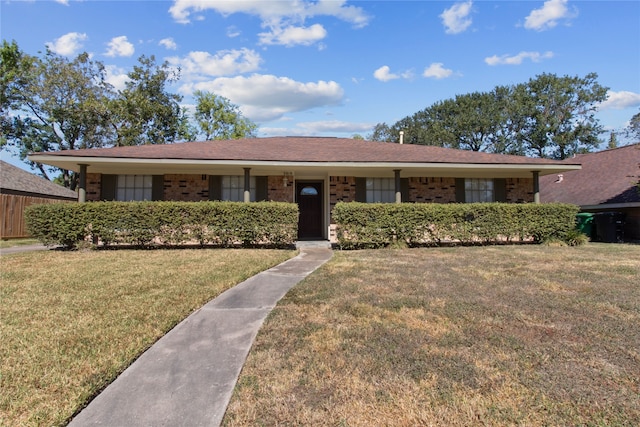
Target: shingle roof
302, 149
15, 179
609, 176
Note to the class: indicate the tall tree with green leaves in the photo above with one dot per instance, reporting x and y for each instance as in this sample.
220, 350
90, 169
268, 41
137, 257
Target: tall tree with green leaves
54, 104
549, 116
217, 118
561, 115
633, 129
145, 112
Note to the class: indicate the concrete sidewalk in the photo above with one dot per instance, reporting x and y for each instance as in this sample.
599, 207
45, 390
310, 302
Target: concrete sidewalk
187, 377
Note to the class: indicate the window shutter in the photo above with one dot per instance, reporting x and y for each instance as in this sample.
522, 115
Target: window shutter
404, 189
157, 189
215, 187
361, 190
460, 198
500, 189
261, 188
108, 187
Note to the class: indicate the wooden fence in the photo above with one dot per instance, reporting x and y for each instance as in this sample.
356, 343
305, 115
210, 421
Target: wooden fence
12, 208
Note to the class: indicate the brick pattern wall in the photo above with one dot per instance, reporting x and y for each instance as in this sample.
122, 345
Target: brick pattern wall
341, 189
432, 190
277, 191
186, 188
93, 187
519, 190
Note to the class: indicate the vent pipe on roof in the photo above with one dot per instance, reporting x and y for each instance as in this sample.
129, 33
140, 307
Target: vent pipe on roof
401, 137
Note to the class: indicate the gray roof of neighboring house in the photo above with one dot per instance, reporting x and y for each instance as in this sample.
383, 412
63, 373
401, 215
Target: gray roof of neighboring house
15, 180
606, 177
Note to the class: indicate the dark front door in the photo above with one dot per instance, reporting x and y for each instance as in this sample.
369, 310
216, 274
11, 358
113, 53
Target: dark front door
309, 197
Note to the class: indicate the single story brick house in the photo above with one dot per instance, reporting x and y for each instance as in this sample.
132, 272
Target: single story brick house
314, 172
19, 189
607, 182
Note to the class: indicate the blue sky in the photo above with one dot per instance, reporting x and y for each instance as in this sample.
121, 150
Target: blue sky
336, 68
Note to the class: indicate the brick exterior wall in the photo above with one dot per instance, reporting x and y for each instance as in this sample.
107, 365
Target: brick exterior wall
519, 190
93, 187
186, 188
432, 190
277, 191
341, 188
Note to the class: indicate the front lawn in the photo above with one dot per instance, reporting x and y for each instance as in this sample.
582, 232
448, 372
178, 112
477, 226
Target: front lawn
511, 335
70, 322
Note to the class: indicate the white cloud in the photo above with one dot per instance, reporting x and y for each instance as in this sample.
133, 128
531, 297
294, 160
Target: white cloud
266, 97
621, 100
548, 15
203, 65
168, 43
517, 59
384, 74
67, 45
291, 36
119, 46
63, 2
456, 19
272, 12
233, 32
437, 71
117, 77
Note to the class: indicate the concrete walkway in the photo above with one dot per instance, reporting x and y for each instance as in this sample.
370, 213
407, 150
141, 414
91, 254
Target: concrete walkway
187, 377
23, 248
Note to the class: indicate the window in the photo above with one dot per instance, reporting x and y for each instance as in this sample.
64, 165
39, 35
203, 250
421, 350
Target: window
308, 191
381, 190
233, 188
477, 190
134, 188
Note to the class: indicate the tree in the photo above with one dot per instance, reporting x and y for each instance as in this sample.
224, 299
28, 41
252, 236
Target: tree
561, 115
548, 116
217, 118
633, 129
144, 112
613, 140
54, 103
381, 132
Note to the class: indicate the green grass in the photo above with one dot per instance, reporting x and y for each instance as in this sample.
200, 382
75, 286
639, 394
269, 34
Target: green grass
512, 335
70, 322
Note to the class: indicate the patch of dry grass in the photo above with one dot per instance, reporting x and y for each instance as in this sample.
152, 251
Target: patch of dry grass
514, 335
71, 321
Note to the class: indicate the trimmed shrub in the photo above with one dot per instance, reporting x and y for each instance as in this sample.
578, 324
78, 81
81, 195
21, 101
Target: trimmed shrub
145, 224
364, 225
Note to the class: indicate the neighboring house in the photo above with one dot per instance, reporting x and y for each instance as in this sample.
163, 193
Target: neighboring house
19, 189
607, 182
314, 172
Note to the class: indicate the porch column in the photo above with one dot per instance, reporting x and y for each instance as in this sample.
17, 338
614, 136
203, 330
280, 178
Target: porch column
82, 184
536, 186
396, 173
247, 185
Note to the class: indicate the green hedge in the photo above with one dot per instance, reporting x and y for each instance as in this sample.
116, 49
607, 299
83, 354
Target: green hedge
362, 225
164, 223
